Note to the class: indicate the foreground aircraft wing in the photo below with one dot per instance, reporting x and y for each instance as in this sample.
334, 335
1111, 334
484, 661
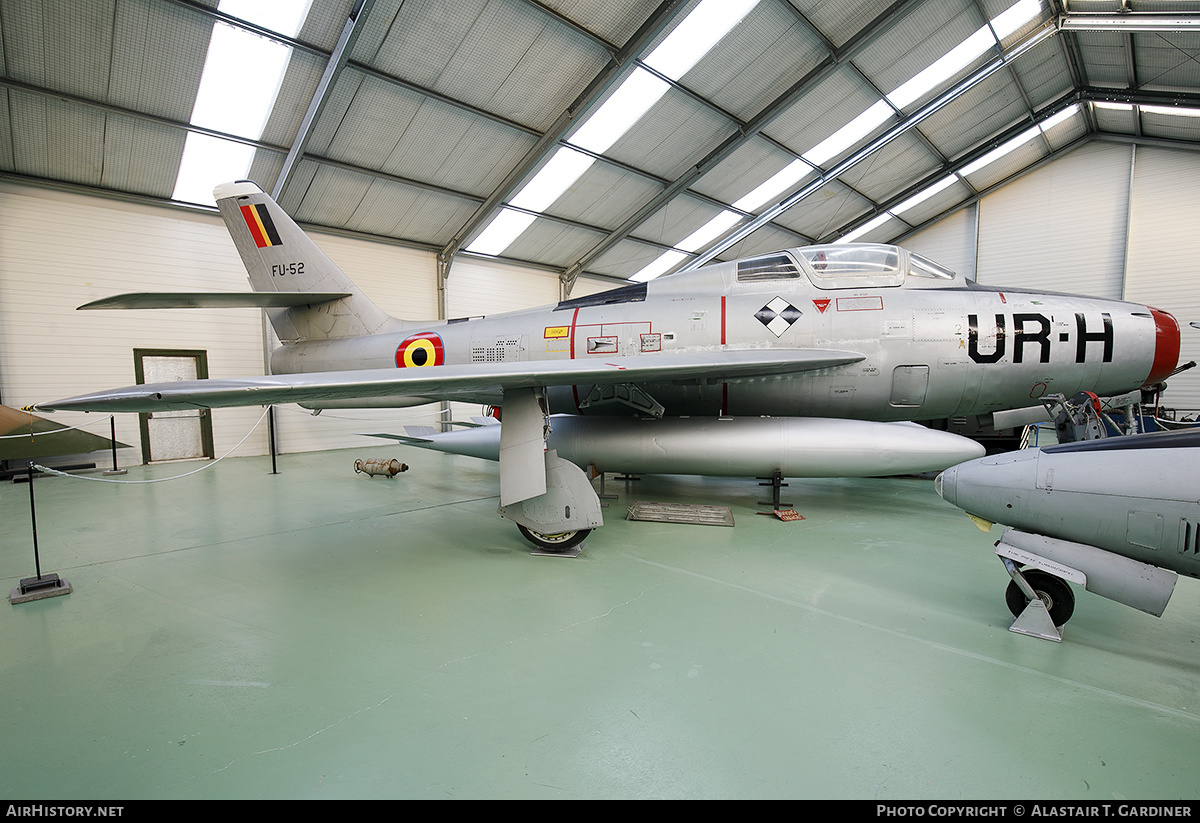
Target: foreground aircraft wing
481, 382
212, 300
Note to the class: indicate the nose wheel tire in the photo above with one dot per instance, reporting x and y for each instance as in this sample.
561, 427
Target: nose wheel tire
1054, 592
559, 542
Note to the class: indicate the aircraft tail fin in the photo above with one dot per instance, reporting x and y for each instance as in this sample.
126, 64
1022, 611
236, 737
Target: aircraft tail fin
280, 257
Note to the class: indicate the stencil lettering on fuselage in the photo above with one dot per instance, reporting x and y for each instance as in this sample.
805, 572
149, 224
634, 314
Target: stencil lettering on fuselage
1032, 329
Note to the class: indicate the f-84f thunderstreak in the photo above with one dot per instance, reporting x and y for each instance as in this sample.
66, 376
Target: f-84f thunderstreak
802, 362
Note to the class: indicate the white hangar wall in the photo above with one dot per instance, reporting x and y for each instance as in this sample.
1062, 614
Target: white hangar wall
1108, 219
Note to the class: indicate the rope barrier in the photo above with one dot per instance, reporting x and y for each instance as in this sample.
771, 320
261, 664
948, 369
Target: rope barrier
160, 479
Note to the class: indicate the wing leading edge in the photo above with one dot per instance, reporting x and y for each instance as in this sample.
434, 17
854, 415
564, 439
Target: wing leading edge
483, 383
212, 300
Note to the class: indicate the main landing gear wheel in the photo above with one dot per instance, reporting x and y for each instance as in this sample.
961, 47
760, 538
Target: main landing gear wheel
1054, 592
554, 542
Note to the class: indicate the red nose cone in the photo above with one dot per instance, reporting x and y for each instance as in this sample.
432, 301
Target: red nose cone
1166, 347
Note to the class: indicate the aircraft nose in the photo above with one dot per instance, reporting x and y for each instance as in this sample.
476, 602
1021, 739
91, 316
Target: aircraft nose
1166, 346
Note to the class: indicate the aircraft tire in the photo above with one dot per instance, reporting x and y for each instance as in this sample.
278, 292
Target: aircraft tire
559, 542
1054, 591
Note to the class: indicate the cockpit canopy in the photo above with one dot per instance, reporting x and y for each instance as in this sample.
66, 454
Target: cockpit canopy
848, 266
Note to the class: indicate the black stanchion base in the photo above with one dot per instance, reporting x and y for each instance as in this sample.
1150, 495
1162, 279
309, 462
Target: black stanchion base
39, 588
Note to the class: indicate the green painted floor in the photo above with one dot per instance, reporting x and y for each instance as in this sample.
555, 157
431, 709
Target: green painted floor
323, 634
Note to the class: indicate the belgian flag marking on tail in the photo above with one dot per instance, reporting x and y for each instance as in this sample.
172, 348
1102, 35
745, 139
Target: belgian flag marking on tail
420, 350
262, 228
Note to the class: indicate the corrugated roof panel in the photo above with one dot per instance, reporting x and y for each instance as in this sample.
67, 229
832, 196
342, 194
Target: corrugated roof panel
893, 168
331, 197
392, 209
6, 135
416, 39
375, 124
1170, 126
1167, 60
57, 140
140, 156
60, 44
505, 56
1104, 59
921, 38
323, 24
374, 117
625, 259
1027, 155
824, 211
835, 102
1043, 72
766, 239
749, 166
296, 90
935, 205
1113, 120
676, 220
264, 170
552, 243
615, 21
673, 136
757, 61
976, 116
838, 20
158, 54
449, 147
1064, 133
605, 196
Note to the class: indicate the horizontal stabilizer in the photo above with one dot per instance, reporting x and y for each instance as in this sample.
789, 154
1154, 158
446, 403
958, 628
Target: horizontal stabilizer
212, 300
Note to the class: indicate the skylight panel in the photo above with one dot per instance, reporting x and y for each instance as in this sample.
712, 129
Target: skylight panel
501, 232
849, 134
923, 195
637, 94
943, 69
663, 263
696, 35
1016, 16
781, 181
709, 231
870, 225
564, 168
241, 77
1178, 111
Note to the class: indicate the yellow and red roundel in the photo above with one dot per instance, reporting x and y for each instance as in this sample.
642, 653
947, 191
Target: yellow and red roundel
420, 350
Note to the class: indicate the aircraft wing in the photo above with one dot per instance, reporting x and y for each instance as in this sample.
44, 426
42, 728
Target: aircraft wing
478, 382
212, 300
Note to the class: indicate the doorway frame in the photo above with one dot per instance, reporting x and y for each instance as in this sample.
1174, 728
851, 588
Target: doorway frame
201, 358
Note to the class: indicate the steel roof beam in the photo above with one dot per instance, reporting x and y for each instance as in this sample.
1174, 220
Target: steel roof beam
333, 67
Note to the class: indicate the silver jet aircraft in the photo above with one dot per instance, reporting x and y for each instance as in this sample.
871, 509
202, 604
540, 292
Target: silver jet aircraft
802, 362
1118, 515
